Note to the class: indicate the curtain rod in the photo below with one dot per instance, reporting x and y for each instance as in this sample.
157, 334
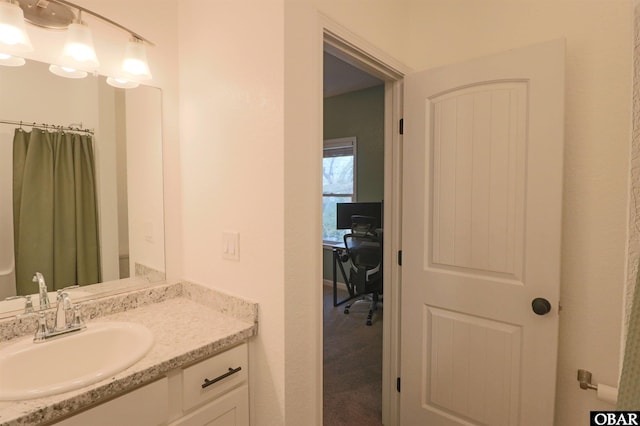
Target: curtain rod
47, 126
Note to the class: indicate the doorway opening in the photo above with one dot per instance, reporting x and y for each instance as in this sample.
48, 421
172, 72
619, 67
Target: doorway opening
366, 59
353, 177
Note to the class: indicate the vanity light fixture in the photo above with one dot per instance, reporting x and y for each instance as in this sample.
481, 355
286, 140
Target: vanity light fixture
134, 68
78, 57
78, 51
134, 64
13, 34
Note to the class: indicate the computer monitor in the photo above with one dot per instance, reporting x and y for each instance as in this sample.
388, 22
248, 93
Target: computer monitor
346, 210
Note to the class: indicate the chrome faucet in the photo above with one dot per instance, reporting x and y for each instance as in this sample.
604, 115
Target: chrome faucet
62, 323
44, 296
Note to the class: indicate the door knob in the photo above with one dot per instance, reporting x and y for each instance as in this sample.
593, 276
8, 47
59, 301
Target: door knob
540, 306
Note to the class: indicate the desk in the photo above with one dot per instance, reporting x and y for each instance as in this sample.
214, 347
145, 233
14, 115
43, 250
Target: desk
337, 253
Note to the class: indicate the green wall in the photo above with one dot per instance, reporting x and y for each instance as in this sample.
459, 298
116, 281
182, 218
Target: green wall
359, 114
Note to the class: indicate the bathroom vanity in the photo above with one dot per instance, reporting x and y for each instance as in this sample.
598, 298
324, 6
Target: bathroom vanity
195, 373
178, 399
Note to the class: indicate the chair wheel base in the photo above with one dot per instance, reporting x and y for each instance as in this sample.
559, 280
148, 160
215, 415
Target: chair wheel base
370, 314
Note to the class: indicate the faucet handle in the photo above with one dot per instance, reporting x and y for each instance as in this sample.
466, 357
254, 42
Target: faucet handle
63, 297
77, 318
64, 289
28, 304
43, 330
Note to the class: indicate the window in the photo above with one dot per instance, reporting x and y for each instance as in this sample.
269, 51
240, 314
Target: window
338, 183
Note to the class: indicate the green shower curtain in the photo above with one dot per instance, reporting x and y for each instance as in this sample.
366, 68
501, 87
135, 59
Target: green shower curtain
54, 209
629, 388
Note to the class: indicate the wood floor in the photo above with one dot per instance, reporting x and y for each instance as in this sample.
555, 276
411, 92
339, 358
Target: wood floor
352, 365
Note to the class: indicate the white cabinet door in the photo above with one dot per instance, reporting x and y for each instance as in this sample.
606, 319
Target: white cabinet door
231, 409
483, 154
146, 406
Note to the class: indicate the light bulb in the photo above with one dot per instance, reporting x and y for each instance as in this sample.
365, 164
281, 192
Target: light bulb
135, 64
78, 52
13, 33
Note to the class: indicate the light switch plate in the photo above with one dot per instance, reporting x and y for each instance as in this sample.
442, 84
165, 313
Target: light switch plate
148, 232
231, 245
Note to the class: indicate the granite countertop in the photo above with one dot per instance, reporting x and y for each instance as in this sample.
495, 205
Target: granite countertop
189, 322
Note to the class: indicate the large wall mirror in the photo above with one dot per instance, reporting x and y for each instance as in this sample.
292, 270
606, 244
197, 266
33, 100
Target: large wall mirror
127, 150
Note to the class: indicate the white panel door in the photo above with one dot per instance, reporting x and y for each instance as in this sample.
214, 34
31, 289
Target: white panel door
483, 147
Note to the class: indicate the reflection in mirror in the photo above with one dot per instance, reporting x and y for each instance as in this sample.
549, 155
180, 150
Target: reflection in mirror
127, 150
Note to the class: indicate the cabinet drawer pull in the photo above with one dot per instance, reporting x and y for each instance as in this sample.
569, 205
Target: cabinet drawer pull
231, 371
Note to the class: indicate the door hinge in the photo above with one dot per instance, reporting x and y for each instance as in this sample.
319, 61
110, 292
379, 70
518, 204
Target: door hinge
401, 125
400, 257
398, 384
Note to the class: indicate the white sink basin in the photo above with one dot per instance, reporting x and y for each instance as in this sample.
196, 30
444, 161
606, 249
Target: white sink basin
32, 370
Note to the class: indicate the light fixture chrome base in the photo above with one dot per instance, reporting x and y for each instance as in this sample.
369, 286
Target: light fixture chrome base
59, 14
47, 14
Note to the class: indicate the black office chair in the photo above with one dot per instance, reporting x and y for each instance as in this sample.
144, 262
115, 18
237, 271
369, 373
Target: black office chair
364, 249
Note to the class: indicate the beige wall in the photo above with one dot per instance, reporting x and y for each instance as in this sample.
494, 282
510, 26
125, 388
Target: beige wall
231, 130
144, 171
